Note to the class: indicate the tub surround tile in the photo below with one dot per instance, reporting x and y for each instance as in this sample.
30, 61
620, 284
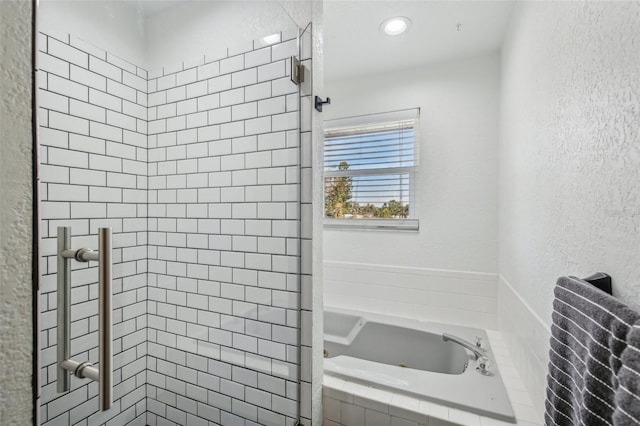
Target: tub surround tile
527, 339
455, 297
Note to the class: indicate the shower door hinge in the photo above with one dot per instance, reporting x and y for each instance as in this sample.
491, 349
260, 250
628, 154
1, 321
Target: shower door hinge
297, 71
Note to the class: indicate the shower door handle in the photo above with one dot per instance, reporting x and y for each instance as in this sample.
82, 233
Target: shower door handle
66, 365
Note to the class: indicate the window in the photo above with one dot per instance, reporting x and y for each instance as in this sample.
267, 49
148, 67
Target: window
369, 171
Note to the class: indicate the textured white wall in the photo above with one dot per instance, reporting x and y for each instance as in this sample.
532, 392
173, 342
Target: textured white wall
115, 26
457, 179
570, 147
569, 164
16, 341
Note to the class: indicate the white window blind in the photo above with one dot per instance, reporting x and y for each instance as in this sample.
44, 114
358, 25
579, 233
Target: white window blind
369, 167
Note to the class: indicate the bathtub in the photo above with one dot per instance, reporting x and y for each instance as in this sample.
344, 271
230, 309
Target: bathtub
410, 357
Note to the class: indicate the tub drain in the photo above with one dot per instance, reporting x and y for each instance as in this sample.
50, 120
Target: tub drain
402, 364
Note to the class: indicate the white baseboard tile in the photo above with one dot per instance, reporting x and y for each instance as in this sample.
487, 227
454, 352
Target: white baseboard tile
527, 337
455, 297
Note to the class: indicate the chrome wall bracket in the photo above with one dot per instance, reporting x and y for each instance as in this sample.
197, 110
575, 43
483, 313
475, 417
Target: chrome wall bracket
66, 365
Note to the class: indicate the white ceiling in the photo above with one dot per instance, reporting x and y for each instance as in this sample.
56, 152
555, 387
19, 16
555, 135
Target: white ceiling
354, 45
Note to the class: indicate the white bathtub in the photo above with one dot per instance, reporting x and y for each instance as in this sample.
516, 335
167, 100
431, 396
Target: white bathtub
411, 357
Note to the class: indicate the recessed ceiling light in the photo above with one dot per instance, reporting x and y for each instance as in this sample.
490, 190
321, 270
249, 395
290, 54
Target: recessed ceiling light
395, 26
270, 39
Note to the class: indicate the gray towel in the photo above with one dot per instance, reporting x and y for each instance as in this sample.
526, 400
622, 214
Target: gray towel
628, 394
588, 334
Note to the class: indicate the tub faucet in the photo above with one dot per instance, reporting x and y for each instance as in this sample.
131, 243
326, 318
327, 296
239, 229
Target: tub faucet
478, 351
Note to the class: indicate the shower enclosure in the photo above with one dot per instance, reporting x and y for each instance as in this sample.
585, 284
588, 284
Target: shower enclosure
198, 170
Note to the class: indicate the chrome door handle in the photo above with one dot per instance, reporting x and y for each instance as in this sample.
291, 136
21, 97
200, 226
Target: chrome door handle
66, 365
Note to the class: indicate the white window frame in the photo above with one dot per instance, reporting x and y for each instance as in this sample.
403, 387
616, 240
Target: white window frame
370, 120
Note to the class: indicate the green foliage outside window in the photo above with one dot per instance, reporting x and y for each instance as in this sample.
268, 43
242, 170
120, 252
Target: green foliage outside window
339, 204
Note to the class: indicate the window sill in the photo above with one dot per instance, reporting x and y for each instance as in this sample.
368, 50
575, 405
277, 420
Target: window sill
372, 224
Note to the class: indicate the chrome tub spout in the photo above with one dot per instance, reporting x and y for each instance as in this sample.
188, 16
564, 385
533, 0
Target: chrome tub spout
477, 350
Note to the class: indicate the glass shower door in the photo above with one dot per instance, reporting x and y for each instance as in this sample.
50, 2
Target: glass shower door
195, 167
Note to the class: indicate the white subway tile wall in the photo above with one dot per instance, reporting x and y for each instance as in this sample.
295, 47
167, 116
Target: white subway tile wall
223, 242
196, 168
303, 155
93, 174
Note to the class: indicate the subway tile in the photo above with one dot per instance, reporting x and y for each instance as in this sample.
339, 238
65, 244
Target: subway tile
209, 133
197, 120
244, 111
244, 78
176, 94
271, 141
233, 129
196, 89
88, 78
287, 121
105, 100
121, 91
101, 162
157, 98
272, 106
42, 77
121, 63
283, 86
53, 101
232, 97
135, 138
67, 53
166, 82
219, 115
176, 123
284, 50
68, 158
87, 110
57, 174
104, 131
68, 88
219, 84
68, 123
208, 70
258, 126
234, 63
121, 120
187, 107
257, 91
244, 144
167, 110
104, 68
208, 102
272, 71
60, 192
257, 57
188, 137
134, 81
43, 120
53, 65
